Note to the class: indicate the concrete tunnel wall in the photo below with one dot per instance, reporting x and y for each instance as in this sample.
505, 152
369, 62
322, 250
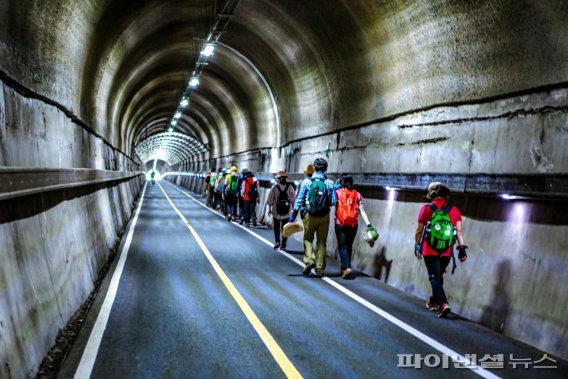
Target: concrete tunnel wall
389, 86
54, 244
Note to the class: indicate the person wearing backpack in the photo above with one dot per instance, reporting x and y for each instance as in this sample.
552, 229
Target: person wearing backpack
319, 192
217, 189
249, 191
439, 225
309, 171
211, 189
347, 211
241, 201
230, 195
280, 203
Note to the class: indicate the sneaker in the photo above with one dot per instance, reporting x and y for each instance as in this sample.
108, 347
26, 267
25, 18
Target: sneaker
444, 310
242, 221
319, 273
308, 268
276, 245
254, 223
346, 273
431, 306
283, 246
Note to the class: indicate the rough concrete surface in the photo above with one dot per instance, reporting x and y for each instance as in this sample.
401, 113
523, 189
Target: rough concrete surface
385, 86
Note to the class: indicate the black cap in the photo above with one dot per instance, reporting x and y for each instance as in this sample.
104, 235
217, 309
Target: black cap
320, 164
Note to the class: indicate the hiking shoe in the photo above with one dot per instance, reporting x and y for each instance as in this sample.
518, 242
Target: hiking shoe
319, 273
253, 222
242, 221
346, 273
308, 268
431, 306
283, 246
276, 245
444, 310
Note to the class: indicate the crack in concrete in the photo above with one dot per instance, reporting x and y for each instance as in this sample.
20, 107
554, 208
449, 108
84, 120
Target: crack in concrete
31, 94
508, 115
424, 141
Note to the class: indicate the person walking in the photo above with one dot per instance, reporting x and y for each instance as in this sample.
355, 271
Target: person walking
319, 192
241, 201
230, 193
280, 203
249, 192
217, 189
347, 211
309, 171
439, 224
211, 189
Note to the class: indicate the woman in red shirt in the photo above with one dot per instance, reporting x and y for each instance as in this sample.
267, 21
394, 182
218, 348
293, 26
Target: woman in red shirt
437, 261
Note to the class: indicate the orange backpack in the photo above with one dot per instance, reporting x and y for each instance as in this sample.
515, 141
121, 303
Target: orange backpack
347, 207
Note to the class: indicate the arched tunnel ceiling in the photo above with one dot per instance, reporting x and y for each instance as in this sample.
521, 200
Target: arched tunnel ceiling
284, 70
170, 147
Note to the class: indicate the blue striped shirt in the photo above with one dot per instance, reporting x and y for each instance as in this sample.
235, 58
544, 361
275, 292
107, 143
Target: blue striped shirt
304, 193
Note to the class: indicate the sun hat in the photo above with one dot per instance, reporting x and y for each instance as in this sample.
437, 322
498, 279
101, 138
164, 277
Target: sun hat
281, 174
310, 169
437, 189
291, 228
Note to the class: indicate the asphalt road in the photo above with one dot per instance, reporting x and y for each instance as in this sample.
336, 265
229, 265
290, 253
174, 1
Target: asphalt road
212, 299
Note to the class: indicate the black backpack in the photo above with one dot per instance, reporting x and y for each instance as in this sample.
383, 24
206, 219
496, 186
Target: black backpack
283, 203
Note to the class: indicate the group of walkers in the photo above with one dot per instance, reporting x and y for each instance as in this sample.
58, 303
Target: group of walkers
233, 194
439, 222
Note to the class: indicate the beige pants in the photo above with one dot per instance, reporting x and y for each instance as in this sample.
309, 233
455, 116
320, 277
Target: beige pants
318, 226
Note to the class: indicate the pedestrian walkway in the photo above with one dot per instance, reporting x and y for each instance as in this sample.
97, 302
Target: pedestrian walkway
200, 297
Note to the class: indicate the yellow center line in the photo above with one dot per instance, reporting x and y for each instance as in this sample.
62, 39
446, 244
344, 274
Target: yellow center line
287, 367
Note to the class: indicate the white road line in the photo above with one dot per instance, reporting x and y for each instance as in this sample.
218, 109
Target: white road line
91, 350
387, 316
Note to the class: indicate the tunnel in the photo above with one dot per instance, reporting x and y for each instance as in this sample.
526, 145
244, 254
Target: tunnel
95, 95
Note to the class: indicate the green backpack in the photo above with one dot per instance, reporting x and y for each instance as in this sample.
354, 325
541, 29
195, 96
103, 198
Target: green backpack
230, 185
441, 231
319, 199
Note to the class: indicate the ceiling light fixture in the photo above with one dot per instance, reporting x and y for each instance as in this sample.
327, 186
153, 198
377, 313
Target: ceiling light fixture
194, 82
222, 17
208, 50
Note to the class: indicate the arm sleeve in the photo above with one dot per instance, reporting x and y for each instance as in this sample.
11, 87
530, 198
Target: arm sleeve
271, 196
331, 189
425, 214
301, 195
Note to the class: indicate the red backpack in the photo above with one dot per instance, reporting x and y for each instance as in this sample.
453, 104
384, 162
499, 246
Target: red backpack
347, 207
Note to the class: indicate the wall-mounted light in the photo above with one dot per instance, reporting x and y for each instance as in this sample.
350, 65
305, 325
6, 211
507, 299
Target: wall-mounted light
173, 122
208, 50
194, 82
391, 189
184, 103
177, 115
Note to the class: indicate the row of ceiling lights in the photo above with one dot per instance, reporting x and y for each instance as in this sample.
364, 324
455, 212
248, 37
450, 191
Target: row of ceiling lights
207, 52
224, 12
